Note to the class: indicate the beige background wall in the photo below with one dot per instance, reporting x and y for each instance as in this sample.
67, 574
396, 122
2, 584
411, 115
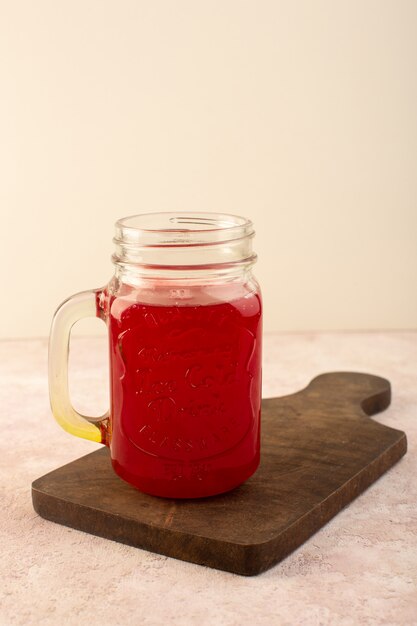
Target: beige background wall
299, 114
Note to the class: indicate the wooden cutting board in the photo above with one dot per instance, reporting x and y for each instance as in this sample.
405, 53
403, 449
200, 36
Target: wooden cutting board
319, 451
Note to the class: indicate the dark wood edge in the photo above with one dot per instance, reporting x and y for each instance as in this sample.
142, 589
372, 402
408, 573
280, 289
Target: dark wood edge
377, 403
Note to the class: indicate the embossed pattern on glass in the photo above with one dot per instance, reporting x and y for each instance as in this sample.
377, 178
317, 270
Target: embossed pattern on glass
186, 394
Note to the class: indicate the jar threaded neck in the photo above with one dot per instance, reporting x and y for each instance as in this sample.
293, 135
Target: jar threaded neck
184, 241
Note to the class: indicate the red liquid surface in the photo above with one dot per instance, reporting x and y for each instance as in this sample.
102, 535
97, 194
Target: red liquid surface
186, 395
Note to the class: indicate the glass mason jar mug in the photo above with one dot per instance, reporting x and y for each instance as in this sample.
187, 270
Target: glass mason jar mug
184, 318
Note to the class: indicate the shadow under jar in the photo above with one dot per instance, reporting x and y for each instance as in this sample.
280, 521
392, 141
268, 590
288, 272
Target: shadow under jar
184, 316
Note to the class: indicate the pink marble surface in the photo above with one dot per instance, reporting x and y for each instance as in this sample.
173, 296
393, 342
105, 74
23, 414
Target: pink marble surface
361, 568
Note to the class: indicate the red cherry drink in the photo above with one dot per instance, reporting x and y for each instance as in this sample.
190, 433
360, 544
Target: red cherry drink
185, 394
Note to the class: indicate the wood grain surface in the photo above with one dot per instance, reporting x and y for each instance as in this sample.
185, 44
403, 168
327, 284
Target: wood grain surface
320, 450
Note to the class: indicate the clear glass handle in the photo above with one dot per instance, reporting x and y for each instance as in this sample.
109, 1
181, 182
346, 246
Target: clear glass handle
76, 307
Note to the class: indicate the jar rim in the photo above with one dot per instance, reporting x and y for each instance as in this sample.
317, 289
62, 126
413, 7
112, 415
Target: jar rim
181, 227
179, 239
